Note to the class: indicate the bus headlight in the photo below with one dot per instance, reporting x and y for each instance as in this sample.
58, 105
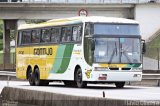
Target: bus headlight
101, 68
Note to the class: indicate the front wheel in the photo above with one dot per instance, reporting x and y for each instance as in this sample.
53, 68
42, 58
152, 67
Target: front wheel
78, 79
119, 84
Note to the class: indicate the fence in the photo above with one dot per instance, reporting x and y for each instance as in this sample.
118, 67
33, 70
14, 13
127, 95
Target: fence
81, 1
7, 66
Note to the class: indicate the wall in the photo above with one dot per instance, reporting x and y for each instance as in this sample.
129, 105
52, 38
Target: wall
148, 16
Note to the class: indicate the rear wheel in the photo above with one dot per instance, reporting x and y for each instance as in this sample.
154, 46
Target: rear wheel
37, 80
120, 84
30, 77
78, 79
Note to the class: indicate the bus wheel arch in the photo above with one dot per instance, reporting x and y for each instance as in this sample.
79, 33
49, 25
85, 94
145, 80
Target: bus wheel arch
78, 77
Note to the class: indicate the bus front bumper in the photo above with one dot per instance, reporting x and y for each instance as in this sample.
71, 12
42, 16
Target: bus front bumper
115, 76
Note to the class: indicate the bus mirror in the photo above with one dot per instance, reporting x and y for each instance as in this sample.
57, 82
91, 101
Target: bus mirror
143, 47
92, 44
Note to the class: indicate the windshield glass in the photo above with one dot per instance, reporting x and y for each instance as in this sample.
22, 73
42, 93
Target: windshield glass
116, 29
117, 50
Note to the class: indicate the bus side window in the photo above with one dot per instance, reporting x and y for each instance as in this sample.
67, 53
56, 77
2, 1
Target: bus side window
26, 37
87, 29
46, 35
66, 34
77, 33
55, 35
35, 36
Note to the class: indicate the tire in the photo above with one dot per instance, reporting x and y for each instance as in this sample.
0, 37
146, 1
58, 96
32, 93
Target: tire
120, 84
30, 77
36, 77
78, 79
37, 80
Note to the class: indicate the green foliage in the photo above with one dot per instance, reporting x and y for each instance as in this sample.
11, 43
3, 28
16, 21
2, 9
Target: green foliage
1, 29
1, 44
34, 21
152, 46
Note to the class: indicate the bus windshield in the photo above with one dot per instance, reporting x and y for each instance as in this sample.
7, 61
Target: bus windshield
117, 50
116, 29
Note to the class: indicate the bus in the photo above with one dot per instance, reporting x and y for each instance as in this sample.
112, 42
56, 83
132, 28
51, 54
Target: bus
80, 50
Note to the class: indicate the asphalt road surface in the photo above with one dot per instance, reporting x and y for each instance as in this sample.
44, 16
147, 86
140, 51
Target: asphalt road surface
93, 90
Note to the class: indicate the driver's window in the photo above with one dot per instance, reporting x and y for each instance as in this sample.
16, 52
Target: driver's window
87, 29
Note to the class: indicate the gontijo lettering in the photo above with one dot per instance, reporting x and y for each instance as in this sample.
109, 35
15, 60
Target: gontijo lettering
43, 51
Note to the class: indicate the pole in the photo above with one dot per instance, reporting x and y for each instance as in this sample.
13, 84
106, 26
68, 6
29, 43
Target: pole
158, 58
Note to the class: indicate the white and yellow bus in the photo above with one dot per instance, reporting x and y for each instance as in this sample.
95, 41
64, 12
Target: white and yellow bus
80, 50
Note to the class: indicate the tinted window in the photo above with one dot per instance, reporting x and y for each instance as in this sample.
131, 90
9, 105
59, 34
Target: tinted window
66, 34
77, 33
55, 35
87, 29
35, 36
26, 37
116, 29
46, 33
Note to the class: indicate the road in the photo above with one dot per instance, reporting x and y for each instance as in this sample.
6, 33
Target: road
93, 90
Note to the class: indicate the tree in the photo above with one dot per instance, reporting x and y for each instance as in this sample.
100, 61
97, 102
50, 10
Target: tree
1, 29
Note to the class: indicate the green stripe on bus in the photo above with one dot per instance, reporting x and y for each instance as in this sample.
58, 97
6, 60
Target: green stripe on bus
134, 65
62, 59
66, 58
58, 58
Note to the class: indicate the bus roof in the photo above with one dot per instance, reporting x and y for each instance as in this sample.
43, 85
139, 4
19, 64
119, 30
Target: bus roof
76, 20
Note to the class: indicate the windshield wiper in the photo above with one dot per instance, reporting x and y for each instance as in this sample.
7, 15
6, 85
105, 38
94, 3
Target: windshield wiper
113, 53
124, 52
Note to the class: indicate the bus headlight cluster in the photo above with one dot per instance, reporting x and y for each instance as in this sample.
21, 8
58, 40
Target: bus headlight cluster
101, 68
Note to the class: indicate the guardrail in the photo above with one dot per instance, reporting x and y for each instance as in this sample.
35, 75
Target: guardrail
151, 76
82, 1
144, 76
7, 73
148, 76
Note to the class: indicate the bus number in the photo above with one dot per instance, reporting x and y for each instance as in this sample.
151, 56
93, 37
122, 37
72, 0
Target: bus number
21, 52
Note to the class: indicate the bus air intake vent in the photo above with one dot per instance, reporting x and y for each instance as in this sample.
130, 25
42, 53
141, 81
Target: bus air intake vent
114, 68
126, 68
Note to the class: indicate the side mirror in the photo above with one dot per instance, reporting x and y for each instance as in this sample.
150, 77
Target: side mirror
92, 44
143, 47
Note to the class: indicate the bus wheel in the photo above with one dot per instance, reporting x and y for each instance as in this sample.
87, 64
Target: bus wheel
119, 84
30, 77
78, 79
37, 80
36, 77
